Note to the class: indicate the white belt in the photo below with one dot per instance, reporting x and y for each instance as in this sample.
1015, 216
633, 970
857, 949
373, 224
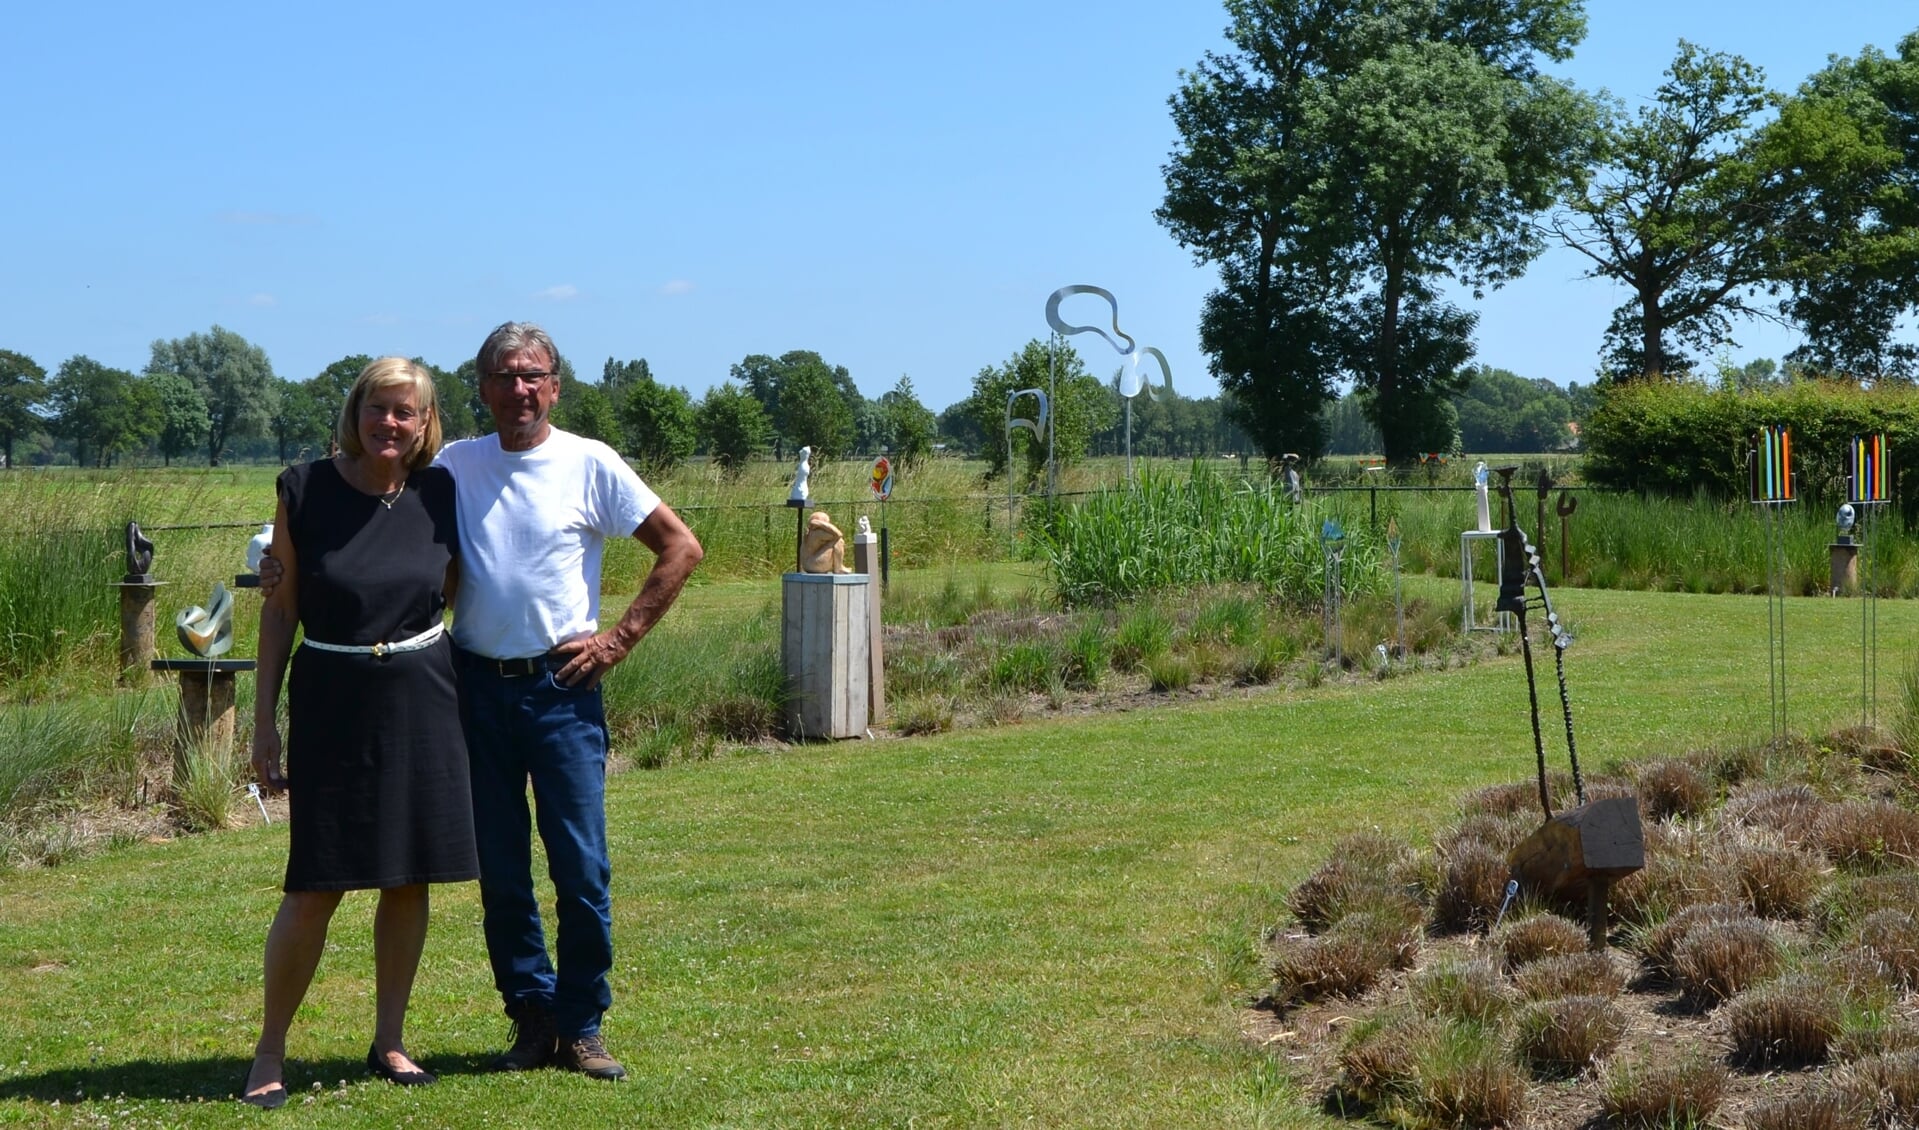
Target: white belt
382, 650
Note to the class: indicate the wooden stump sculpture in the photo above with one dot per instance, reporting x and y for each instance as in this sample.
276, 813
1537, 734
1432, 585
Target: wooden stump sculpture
1586, 847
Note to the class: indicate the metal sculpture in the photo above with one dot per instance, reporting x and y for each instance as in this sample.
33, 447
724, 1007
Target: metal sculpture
1332, 541
139, 557
1771, 481
1399, 598
1869, 485
1132, 375
1583, 849
1040, 424
208, 632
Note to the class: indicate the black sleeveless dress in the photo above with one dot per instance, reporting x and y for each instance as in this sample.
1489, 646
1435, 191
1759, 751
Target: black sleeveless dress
376, 765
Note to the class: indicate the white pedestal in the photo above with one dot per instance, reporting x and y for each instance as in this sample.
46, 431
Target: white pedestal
1468, 621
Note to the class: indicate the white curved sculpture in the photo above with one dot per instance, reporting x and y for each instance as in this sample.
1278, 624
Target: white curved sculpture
208, 632
800, 493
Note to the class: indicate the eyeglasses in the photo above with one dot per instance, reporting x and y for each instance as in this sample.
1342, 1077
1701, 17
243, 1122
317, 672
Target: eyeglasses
531, 378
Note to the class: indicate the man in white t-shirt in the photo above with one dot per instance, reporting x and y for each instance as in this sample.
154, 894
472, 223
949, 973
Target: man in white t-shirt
536, 508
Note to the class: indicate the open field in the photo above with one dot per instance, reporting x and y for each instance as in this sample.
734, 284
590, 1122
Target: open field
1052, 924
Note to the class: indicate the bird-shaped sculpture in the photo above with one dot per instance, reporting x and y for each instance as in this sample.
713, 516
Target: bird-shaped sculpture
208, 632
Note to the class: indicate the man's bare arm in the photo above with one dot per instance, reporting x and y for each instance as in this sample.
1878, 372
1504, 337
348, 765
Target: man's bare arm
675, 553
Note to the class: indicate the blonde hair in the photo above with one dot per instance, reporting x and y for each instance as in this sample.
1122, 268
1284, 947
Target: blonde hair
392, 372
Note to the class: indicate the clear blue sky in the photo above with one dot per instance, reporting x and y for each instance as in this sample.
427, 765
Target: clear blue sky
896, 186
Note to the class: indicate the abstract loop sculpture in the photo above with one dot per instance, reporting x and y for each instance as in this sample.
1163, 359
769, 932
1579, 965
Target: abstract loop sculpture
208, 632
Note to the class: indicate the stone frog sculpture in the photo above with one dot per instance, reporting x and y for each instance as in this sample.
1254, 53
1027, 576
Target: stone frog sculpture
823, 548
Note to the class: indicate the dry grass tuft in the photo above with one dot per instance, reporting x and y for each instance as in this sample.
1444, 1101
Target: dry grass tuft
1886, 1087
1357, 877
1670, 788
1501, 833
1523, 941
1379, 1059
1824, 1109
1572, 974
1790, 1022
1680, 1092
1560, 1038
1668, 884
1514, 799
1471, 889
1465, 1079
1777, 882
1718, 960
1838, 909
1891, 936
1462, 990
1657, 943
1867, 835
1870, 1033
1791, 810
1343, 962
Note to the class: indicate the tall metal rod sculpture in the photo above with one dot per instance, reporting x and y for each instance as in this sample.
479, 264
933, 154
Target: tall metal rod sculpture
1586, 848
1770, 474
1399, 598
1332, 540
1870, 485
1518, 564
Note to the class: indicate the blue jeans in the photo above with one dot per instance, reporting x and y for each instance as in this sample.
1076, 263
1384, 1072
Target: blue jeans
521, 727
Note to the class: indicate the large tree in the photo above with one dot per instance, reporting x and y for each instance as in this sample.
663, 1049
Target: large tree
907, 427
23, 384
809, 401
304, 416
1340, 165
1682, 213
1080, 406
1502, 411
659, 425
182, 414
1851, 135
234, 376
732, 426
103, 411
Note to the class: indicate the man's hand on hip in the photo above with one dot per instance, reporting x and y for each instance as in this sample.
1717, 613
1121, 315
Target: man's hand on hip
588, 658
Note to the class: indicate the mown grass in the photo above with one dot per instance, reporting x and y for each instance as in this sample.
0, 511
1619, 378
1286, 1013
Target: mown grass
1052, 924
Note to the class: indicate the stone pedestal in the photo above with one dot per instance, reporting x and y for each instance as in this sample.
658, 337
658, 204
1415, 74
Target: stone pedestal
1845, 567
137, 618
825, 650
205, 719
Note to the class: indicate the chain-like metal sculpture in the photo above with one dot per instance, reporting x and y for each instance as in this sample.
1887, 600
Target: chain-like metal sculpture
1589, 846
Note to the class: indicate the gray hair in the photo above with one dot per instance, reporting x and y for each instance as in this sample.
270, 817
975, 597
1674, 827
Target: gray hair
515, 337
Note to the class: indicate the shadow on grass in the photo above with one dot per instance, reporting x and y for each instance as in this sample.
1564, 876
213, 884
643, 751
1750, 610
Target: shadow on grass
206, 1079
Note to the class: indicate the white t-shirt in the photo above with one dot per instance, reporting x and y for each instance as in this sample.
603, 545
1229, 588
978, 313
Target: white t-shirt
533, 528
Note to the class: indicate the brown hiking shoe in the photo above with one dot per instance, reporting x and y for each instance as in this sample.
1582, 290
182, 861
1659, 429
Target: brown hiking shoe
534, 1039
587, 1055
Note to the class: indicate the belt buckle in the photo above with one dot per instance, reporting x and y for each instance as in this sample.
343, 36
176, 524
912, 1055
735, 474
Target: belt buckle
382, 650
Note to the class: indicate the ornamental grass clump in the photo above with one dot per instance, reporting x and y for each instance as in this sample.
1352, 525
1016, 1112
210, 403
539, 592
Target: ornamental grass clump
1022, 668
1868, 835
1891, 936
1471, 889
1886, 1087
1379, 1059
1792, 810
1465, 1078
1462, 990
1343, 962
1661, 1094
1657, 944
1358, 876
1087, 655
1717, 960
1790, 1022
1672, 788
1777, 882
1837, 910
1522, 941
1825, 1108
1559, 1038
1572, 974
1144, 634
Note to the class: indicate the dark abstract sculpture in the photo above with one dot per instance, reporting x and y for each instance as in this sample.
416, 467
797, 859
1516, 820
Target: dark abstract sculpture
139, 557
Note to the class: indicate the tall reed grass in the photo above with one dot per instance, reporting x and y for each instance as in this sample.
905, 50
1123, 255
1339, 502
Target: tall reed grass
1162, 533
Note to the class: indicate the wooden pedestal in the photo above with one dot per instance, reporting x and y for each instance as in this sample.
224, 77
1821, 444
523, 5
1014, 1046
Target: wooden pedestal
205, 719
825, 648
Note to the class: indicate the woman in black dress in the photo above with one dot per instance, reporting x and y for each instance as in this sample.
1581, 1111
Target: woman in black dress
375, 764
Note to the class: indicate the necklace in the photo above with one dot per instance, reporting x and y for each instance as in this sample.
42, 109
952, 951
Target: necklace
387, 500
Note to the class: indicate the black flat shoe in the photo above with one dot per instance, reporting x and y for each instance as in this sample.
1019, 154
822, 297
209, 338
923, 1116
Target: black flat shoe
272, 1099
377, 1064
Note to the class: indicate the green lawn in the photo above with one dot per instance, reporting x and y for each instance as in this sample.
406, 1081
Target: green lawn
1049, 924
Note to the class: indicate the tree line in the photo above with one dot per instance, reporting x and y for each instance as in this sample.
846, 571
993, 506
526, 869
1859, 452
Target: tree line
214, 395
1345, 165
